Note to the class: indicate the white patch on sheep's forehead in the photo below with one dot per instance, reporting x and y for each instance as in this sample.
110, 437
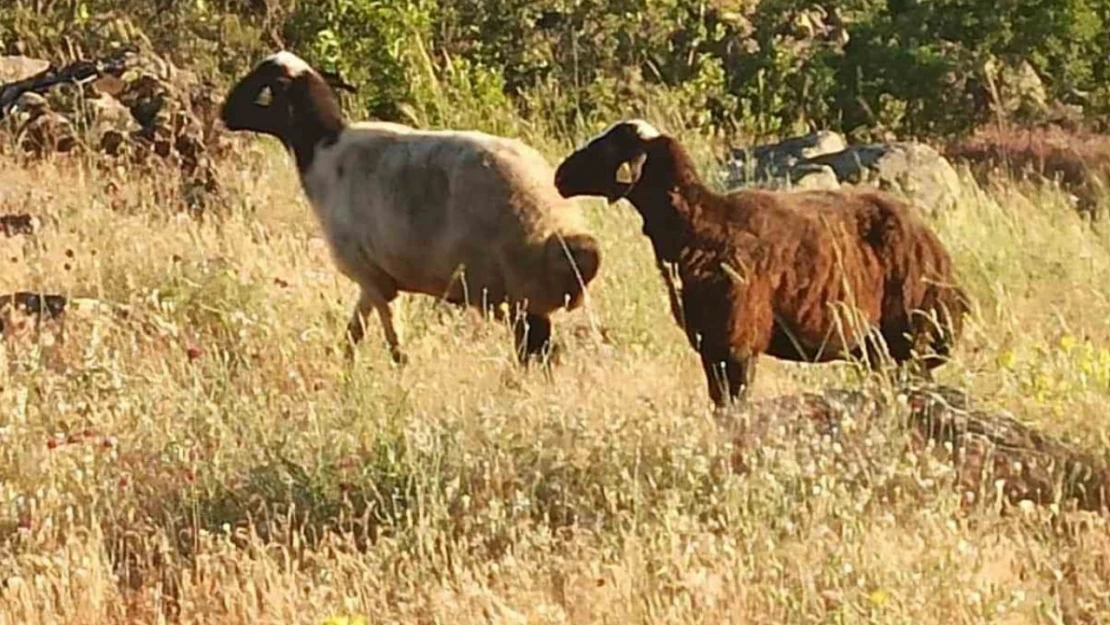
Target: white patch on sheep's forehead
645, 130
293, 64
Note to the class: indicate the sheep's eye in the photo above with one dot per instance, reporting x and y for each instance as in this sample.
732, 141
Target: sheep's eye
265, 97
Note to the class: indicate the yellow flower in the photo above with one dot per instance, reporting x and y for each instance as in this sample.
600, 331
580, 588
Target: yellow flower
879, 597
346, 620
1067, 342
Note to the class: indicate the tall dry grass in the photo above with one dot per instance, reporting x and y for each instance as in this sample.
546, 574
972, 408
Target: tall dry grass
196, 451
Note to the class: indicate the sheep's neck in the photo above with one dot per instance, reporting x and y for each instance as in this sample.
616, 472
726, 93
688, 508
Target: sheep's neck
317, 120
666, 198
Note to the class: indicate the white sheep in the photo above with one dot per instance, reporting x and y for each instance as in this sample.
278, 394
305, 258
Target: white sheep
466, 216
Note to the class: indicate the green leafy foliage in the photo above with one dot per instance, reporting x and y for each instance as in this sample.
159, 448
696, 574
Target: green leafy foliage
766, 67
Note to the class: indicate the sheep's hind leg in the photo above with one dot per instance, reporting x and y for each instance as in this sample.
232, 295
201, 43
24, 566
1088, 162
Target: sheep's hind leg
369, 298
532, 337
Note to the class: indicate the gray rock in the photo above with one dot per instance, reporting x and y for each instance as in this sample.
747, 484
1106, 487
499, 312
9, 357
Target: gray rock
808, 176
914, 170
823, 161
783, 159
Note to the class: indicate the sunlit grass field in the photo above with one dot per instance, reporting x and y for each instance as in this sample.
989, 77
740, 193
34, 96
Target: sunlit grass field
196, 450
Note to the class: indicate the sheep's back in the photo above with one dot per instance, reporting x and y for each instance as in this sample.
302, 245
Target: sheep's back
420, 205
814, 250
863, 247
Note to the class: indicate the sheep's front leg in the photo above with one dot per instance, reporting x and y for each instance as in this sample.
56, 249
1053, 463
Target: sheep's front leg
733, 376
532, 337
715, 378
368, 299
741, 374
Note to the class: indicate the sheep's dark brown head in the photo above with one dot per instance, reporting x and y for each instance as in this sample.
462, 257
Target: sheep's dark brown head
608, 165
284, 97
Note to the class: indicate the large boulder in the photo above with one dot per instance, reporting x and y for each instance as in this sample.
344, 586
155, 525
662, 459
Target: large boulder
823, 160
13, 68
769, 162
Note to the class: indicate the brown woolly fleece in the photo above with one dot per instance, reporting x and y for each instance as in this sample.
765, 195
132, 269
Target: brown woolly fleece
802, 276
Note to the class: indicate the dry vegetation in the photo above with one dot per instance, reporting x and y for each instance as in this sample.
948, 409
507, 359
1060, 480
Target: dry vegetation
196, 451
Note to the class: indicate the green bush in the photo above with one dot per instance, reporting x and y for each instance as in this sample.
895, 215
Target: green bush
759, 67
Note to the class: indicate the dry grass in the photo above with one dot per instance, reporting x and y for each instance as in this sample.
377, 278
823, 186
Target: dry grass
208, 458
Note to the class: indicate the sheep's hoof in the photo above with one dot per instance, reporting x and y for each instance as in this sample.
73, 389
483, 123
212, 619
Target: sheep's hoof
349, 351
734, 404
554, 354
399, 357
549, 356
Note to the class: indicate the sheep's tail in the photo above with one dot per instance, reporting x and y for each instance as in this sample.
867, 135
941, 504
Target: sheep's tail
572, 262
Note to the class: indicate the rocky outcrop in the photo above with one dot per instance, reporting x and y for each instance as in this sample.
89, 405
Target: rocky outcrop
145, 111
824, 160
991, 452
1015, 90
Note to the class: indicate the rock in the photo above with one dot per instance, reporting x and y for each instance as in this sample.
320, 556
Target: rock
13, 68
109, 85
32, 103
27, 303
142, 108
814, 177
802, 29
14, 225
47, 132
1017, 89
112, 123
914, 170
823, 161
773, 161
986, 448
786, 164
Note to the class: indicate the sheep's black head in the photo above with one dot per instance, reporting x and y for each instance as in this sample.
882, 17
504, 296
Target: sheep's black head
609, 165
260, 101
284, 97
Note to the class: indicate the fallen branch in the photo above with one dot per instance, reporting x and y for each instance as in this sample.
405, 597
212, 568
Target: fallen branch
78, 72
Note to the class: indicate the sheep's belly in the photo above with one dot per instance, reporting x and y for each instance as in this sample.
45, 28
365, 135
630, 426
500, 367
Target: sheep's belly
449, 274
786, 347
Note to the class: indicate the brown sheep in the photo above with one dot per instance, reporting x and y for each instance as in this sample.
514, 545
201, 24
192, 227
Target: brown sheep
466, 216
772, 272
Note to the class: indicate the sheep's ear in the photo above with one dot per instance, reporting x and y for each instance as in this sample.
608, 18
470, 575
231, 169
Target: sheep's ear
624, 173
629, 171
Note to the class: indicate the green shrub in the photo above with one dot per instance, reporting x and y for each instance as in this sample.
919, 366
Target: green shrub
760, 67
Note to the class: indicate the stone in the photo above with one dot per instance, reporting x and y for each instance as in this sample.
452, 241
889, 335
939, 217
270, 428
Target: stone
13, 68
1017, 89
989, 449
823, 160
914, 170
